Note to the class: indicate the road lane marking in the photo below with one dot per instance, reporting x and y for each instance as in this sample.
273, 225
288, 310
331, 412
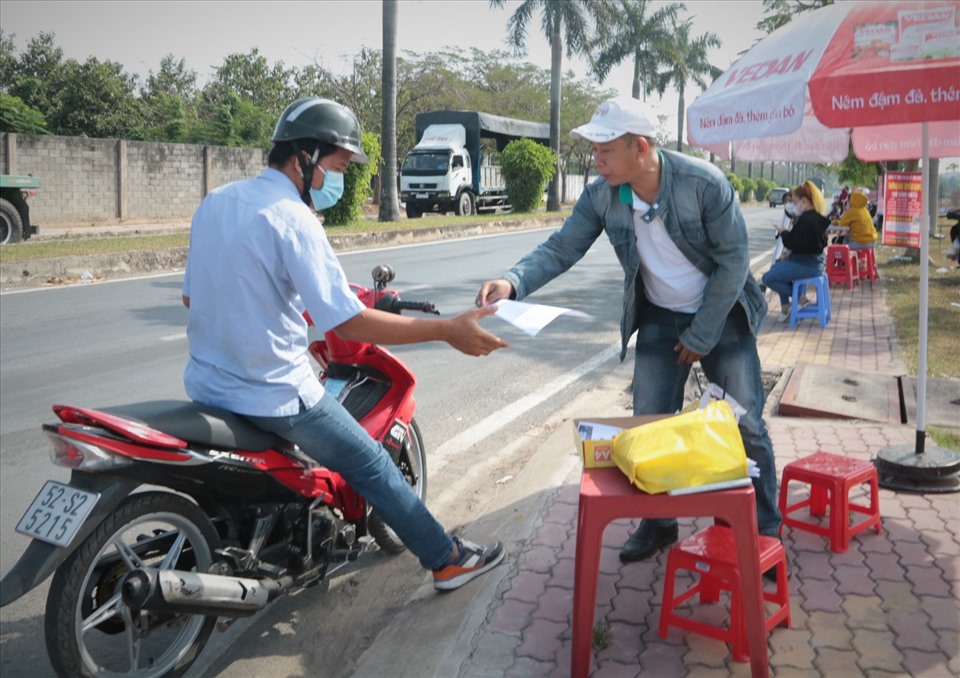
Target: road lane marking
174, 337
760, 258
496, 421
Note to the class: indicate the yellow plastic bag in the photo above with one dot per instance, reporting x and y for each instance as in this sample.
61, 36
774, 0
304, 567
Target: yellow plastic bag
694, 448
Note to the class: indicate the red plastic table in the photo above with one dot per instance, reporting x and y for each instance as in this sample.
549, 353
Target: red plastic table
607, 495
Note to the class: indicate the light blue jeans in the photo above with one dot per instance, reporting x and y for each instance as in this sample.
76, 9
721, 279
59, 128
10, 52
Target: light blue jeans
328, 434
734, 365
781, 275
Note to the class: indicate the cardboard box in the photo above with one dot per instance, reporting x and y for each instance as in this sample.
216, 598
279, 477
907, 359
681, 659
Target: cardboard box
599, 453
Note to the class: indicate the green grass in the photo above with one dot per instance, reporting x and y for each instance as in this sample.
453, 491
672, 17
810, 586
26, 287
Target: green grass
80, 245
901, 280
902, 283
602, 636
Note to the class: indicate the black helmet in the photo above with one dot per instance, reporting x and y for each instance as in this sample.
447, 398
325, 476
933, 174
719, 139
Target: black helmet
322, 120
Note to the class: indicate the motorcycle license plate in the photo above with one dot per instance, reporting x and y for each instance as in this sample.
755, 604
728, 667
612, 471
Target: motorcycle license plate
57, 513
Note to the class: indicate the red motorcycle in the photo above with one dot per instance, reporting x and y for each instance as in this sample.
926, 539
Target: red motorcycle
233, 517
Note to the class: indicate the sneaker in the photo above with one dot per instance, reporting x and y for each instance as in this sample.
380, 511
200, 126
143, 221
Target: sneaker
802, 301
474, 560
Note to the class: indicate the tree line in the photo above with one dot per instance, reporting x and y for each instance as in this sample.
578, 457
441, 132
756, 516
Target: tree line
41, 92
44, 92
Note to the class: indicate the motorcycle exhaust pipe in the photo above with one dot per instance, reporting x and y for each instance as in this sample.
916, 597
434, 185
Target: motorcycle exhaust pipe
212, 595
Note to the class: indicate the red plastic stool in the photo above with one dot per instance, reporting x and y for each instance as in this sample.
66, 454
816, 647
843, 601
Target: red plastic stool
711, 554
867, 265
842, 266
606, 495
831, 477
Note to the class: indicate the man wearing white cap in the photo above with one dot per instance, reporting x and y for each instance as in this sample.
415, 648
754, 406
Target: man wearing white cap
675, 225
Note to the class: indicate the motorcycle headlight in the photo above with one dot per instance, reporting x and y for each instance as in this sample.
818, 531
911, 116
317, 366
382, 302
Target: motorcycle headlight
75, 454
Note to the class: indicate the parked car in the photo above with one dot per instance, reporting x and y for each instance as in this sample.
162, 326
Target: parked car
777, 196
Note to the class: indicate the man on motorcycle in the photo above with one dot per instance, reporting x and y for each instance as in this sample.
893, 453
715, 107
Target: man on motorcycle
258, 259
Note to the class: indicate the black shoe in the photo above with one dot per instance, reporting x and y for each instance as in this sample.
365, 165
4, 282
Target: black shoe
647, 540
771, 574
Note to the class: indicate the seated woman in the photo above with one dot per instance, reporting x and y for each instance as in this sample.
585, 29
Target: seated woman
806, 242
857, 218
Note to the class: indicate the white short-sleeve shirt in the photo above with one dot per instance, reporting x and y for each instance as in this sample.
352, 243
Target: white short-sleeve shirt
258, 258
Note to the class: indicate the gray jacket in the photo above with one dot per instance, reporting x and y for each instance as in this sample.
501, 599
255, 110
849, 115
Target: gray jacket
699, 210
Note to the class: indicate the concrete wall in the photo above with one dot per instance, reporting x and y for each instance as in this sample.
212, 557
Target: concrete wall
110, 180
115, 181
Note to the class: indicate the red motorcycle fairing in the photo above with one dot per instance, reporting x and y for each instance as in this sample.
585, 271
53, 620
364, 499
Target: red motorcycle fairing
131, 429
378, 363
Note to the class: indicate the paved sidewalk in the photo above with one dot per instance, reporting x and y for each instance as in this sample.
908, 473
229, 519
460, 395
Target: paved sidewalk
886, 607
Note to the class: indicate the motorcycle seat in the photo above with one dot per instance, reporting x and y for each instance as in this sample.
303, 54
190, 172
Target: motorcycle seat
200, 424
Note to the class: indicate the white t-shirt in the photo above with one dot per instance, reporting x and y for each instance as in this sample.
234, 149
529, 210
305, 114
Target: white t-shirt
669, 279
258, 258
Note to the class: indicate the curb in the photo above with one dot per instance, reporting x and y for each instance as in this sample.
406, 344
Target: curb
98, 267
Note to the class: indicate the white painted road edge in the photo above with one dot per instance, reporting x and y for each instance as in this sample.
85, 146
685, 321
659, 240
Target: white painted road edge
479, 431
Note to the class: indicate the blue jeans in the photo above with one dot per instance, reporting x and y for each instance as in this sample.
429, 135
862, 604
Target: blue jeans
328, 434
781, 275
733, 364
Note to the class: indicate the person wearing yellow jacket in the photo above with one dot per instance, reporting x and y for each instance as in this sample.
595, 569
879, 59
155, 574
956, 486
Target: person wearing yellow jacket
863, 234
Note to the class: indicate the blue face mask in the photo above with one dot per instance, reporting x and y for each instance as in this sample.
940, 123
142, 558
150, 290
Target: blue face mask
330, 193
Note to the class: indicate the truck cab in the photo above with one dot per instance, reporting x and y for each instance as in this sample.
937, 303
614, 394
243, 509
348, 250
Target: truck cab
438, 173
450, 170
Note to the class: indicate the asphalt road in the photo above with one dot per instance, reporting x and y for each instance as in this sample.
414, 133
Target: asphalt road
104, 344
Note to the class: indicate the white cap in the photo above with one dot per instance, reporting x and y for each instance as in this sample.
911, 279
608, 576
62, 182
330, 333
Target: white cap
614, 118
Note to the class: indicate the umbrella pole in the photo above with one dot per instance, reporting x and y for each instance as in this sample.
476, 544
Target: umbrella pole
924, 296
918, 467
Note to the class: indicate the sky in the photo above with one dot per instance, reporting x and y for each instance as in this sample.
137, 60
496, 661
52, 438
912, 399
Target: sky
138, 34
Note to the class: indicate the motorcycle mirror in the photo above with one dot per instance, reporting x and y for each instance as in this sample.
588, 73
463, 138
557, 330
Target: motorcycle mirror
383, 274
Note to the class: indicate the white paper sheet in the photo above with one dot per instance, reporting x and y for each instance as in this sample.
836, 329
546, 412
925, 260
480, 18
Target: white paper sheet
531, 318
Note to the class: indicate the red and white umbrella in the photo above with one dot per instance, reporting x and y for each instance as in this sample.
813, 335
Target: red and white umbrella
880, 68
885, 75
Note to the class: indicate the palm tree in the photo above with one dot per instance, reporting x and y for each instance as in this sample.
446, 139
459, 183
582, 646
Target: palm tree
640, 37
389, 207
777, 13
686, 61
562, 20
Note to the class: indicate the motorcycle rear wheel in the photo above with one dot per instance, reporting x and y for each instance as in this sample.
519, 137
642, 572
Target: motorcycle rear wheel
413, 465
88, 629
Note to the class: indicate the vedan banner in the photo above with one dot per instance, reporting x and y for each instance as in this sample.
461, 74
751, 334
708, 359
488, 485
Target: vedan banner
902, 208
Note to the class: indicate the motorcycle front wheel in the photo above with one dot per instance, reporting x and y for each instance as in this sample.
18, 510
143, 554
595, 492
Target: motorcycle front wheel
88, 629
413, 465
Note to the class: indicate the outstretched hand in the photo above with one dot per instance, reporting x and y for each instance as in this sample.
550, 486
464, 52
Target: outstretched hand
468, 337
494, 290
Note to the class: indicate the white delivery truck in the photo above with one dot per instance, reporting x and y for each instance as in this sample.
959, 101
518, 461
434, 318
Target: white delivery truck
448, 171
